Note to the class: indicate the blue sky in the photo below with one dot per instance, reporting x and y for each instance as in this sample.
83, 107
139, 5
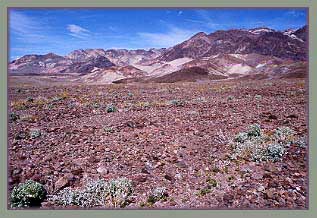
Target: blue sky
40, 31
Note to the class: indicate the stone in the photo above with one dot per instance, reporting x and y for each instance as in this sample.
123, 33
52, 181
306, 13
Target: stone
64, 181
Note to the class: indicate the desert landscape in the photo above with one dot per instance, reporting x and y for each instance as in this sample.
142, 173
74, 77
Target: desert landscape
218, 121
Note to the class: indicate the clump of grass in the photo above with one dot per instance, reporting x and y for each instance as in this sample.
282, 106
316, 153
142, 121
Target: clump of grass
211, 182
178, 103
258, 97
204, 191
28, 194
111, 109
230, 98
29, 99
35, 133
157, 195
301, 142
99, 193
109, 129
96, 105
13, 117
144, 104
21, 135
19, 105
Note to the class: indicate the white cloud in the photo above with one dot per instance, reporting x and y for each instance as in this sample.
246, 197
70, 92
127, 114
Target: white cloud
25, 27
173, 36
78, 31
208, 21
179, 13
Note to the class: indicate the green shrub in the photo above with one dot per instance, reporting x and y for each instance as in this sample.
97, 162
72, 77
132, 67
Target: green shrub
13, 117
258, 97
254, 130
275, 152
21, 135
119, 191
28, 194
230, 98
111, 109
29, 99
157, 195
35, 133
178, 103
109, 129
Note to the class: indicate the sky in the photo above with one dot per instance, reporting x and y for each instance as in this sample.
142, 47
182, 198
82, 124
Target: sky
41, 31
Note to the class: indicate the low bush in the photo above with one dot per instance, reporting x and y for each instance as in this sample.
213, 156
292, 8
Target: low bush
28, 194
99, 193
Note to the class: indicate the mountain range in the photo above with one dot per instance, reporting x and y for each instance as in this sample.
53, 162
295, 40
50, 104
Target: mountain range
238, 53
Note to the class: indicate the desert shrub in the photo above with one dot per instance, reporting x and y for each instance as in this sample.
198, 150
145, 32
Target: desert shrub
241, 137
254, 130
35, 133
13, 117
301, 142
56, 99
96, 194
111, 109
96, 105
257, 146
178, 103
21, 135
230, 98
119, 191
29, 99
258, 97
275, 152
204, 191
109, 129
284, 134
157, 194
28, 194
144, 104
19, 105
211, 182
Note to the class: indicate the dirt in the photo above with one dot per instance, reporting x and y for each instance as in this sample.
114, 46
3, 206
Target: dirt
156, 143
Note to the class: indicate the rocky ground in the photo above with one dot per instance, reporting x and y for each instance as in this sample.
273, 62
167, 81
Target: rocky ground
172, 136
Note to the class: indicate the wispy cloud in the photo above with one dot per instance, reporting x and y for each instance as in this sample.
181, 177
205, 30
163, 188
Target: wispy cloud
25, 28
208, 21
173, 36
295, 13
78, 31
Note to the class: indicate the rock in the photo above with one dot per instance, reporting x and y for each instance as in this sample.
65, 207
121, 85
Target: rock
107, 149
140, 178
181, 164
269, 194
169, 177
102, 170
64, 181
228, 198
261, 188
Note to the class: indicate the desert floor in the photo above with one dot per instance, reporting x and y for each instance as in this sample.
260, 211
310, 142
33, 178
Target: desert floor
177, 136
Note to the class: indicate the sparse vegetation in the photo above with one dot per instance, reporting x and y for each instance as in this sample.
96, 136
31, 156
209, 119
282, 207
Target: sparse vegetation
111, 109
178, 103
35, 133
157, 194
13, 117
99, 193
257, 146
